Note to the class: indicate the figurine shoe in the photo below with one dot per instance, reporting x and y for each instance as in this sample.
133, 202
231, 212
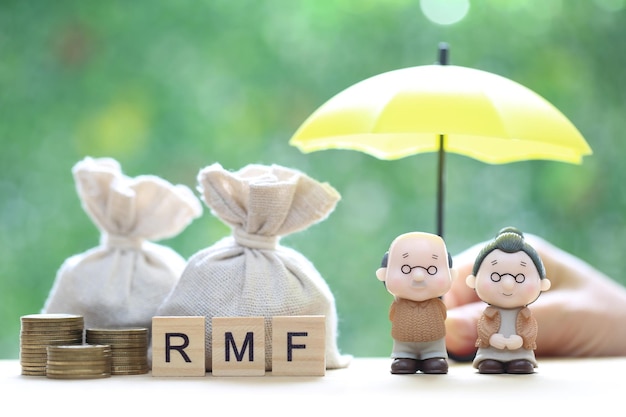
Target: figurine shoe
490, 366
435, 366
404, 366
520, 366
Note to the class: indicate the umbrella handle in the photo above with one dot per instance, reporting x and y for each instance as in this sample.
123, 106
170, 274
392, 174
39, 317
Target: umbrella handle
444, 51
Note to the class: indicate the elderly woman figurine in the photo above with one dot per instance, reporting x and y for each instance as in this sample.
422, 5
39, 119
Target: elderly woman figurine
508, 275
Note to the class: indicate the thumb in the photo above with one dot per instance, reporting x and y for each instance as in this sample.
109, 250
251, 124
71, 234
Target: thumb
569, 325
556, 335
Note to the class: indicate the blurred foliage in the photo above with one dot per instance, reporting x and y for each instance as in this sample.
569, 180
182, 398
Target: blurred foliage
167, 88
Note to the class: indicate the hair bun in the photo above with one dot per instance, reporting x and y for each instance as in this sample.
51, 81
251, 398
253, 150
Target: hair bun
511, 229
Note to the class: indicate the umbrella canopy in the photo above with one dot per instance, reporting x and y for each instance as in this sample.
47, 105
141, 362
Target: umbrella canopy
443, 108
482, 115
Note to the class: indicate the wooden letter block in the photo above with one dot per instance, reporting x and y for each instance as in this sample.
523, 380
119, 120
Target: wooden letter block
238, 346
299, 345
178, 346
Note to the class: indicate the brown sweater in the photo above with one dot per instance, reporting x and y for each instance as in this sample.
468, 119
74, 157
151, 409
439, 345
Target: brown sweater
525, 326
417, 321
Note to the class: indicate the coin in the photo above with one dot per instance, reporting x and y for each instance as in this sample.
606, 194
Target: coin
129, 348
83, 376
49, 318
38, 331
78, 361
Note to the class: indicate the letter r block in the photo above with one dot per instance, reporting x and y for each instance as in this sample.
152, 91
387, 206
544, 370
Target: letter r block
178, 346
299, 345
238, 346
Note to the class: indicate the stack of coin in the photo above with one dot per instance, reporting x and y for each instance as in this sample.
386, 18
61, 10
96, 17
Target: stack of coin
129, 348
38, 331
79, 362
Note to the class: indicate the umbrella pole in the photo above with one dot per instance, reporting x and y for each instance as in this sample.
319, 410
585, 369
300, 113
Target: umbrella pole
440, 186
444, 50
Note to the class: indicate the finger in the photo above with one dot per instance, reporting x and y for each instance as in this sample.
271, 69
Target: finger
563, 269
574, 324
461, 330
459, 293
551, 311
570, 325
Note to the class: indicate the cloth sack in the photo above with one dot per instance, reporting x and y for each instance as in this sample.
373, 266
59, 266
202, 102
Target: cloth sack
122, 282
249, 273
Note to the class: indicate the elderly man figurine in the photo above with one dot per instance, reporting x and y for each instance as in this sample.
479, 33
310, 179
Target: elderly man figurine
417, 271
508, 275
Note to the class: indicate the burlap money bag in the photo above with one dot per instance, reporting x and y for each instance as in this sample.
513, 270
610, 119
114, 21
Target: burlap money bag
123, 281
249, 273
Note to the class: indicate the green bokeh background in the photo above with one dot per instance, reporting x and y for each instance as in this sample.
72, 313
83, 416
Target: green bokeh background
169, 87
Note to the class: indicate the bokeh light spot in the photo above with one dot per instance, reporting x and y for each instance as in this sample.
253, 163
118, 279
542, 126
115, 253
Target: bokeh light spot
445, 12
118, 129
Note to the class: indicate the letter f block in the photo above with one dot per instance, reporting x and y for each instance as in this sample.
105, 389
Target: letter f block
299, 345
178, 346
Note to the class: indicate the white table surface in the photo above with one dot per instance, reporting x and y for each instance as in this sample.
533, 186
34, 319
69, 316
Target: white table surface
561, 387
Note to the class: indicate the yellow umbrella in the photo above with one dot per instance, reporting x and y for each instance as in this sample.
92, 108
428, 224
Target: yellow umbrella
443, 108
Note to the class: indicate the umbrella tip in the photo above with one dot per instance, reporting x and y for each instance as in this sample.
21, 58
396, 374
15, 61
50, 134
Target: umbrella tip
444, 51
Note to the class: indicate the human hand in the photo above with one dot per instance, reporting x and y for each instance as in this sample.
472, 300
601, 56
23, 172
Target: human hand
582, 314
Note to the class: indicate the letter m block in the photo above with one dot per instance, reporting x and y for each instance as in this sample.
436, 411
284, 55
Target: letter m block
238, 346
178, 346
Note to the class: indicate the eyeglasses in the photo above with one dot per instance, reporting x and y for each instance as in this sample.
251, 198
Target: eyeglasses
519, 278
406, 269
